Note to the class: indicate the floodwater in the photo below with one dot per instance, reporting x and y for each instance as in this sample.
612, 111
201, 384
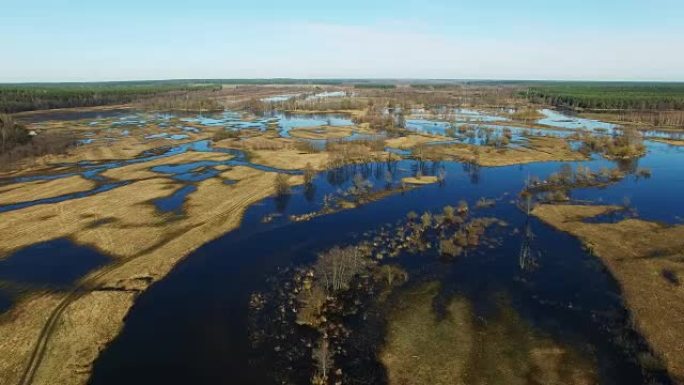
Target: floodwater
192, 327
51, 265
555, 118
187, 172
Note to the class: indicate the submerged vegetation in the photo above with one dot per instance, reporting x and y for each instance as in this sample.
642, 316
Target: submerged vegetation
453, 345
628, 144
312, 310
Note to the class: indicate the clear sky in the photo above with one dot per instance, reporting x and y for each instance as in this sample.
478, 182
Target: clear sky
61, 40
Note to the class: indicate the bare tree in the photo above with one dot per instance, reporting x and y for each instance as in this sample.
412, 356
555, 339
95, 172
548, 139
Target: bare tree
321, 354
336, 267
282, 186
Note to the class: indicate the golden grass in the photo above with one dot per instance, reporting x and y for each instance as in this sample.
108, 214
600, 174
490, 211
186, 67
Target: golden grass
673, 142
460, 347
19, 328
422, 180
290, 159
413, 140
637, 252
322, 132
527, 114
81, 348
539, 149
352, 112
34, 190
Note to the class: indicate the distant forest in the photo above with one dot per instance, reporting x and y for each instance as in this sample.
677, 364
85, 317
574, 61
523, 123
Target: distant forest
39, 96
577, 95
610, 96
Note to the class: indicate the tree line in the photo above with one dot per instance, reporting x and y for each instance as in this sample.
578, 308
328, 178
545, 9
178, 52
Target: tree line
610, 96
34, 96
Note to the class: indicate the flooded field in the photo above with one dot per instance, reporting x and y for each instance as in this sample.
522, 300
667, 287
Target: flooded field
228, 215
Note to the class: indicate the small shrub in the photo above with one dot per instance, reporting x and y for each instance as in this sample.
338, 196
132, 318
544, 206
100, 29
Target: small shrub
426, 220
282, 185
225, 134
448, 248
309, 174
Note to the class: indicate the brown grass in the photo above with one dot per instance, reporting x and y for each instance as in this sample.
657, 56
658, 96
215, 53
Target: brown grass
422, 180
539, 149
673, 142
413, 140
29, 191
322, 132
637, 253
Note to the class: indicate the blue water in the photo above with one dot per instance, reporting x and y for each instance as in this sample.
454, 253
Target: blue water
183, 172
555, 118
476, 134
59, 262
174, 202
568, 296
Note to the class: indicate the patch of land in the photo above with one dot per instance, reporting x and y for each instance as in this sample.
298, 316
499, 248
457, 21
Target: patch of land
352, 112
322, 132
413, 140
673, 142
273, 151
647, 259
539, 149
34, 190
289, 154
429, 179
459, 347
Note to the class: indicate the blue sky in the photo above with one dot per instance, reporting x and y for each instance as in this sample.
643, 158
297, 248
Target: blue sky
63, 40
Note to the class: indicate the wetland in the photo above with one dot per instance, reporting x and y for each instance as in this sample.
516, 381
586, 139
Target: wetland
332, 234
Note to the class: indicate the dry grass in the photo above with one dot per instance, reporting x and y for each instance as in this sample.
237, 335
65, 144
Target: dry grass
29, 191
539, 149
138, 171
673, 142
637, 253
290, 159
421, 180
19, 329
413, 140
353, 112
459, 347
322, 132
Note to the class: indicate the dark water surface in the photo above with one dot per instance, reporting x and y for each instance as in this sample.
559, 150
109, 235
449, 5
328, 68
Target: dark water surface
192, 326
51, 265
